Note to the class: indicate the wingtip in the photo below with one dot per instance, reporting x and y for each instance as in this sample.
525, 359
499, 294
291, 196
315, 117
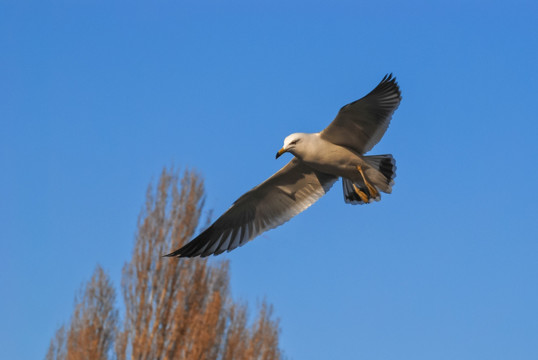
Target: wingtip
179, 253
172, 254
189, 250
389, 81
390, 77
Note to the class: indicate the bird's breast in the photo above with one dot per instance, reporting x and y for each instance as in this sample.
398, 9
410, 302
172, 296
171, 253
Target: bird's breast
332, 159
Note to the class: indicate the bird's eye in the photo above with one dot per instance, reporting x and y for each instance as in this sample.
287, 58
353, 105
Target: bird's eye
294, 142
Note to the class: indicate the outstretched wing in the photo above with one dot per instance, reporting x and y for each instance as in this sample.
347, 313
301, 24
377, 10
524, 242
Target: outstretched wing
285, 194
361, 124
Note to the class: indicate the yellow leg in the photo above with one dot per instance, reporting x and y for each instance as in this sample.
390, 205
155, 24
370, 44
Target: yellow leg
361, 194
373, 191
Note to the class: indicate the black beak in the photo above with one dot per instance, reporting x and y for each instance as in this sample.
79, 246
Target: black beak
280, 152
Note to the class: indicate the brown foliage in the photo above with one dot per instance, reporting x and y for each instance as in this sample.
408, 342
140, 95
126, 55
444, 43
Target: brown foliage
258, 342
177, 309
93, 324
57, 346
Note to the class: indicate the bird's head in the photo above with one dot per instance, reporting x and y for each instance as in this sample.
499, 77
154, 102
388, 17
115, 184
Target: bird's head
292, 144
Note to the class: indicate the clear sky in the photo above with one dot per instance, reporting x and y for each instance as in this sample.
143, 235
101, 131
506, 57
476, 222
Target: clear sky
98, 96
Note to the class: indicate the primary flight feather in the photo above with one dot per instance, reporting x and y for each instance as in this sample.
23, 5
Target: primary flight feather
319, 160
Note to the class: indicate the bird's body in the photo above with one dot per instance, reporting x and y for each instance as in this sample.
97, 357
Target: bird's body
320, 159
329, 158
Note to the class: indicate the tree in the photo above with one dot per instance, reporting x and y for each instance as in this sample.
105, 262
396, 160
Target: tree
181, 308
93, 325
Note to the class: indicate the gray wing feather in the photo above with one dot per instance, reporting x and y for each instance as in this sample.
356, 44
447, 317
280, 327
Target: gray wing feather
361, 124
285, 194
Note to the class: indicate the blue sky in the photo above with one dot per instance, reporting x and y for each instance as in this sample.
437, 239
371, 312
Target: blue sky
99, 96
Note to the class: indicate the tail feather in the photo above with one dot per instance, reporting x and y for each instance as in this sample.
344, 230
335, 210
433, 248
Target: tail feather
384, 164
381, 175
352, 197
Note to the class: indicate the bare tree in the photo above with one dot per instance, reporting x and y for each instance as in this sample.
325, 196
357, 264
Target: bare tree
91, 332
57, 349
174, 308
258, 342
181, 309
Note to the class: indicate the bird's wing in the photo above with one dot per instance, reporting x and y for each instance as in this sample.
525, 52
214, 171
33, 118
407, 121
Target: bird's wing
285, 194
361, 124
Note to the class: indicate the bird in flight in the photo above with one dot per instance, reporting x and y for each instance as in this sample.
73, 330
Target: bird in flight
319, 160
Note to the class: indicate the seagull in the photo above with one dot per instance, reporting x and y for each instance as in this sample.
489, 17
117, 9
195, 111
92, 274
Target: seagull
319, 160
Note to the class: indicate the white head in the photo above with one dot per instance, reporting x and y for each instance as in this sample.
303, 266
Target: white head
294, 144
